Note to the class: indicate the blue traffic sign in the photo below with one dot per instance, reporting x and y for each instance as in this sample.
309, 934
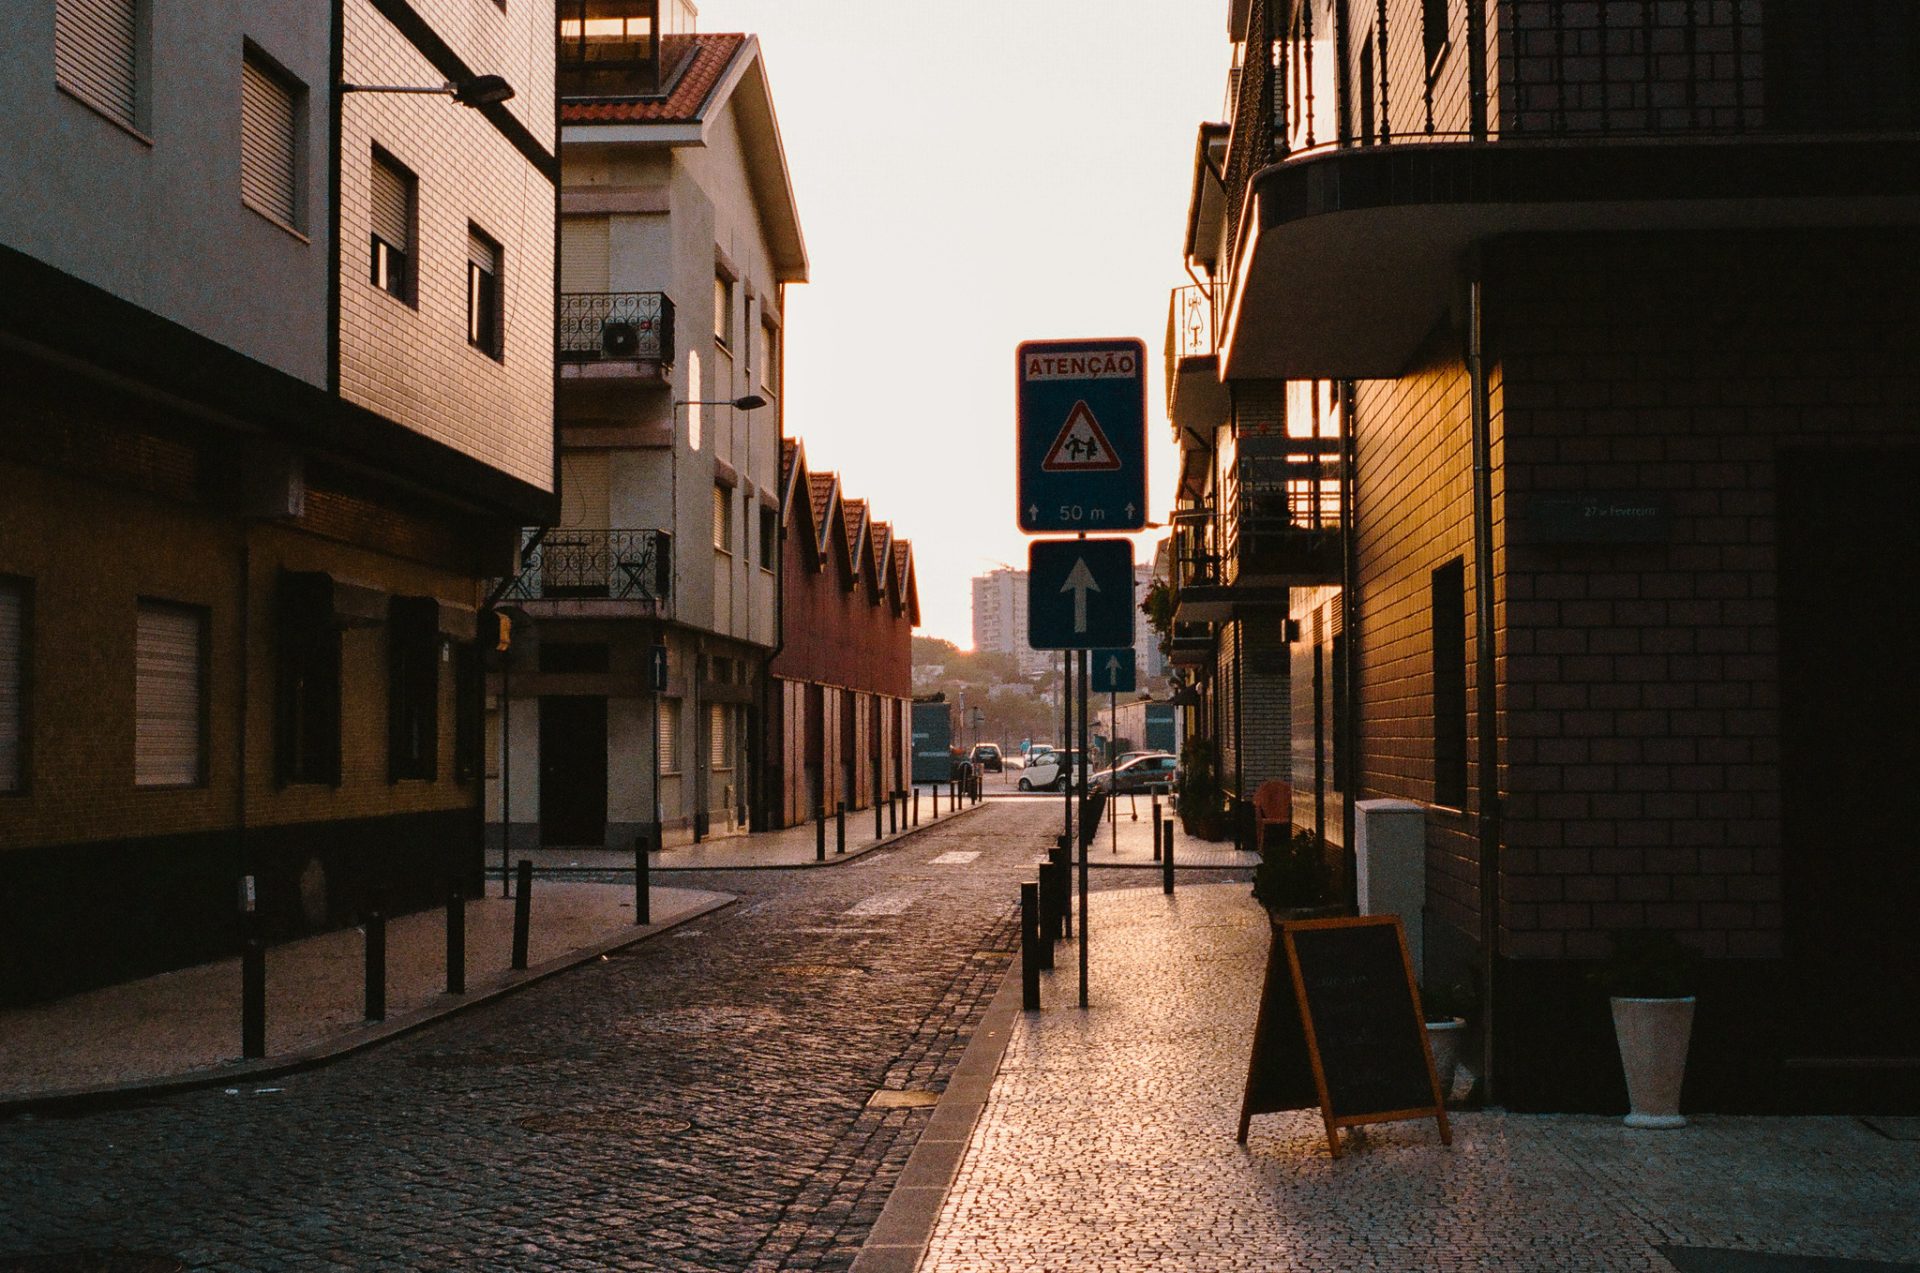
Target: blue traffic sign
1111, 671
1079, 594
1082, 436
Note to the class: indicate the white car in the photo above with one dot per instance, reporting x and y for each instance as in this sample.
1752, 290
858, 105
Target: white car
1043, 771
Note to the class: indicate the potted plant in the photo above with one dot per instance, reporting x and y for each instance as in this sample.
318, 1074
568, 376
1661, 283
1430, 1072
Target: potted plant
1446, 1006
1202, 805
1293, 880
1650, 980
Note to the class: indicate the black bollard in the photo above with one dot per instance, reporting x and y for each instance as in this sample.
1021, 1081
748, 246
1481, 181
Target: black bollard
1047, 920
1062, 857
1156, 828
916, 804
522, 913
1166, 864
1030, 946
253, 999
893, 813
376, 966
456, 942
840, 826
642, 882
819, 833
879, 827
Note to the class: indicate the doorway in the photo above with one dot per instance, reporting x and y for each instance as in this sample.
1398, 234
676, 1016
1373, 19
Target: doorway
1849, 721
573, 770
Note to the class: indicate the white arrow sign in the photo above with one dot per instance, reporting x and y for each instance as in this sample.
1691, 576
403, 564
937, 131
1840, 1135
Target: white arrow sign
1033, 512
1113, 668
1080, 583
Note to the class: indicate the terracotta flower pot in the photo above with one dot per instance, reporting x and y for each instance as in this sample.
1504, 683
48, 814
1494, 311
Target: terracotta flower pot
1653, 1036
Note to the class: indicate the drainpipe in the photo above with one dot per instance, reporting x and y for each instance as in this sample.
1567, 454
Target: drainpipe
1349, 725
243, 851
1487, 824
763, 805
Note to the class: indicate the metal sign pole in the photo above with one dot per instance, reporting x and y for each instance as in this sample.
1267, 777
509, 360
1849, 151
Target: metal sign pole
1113, 796
1085, 839
1065, 777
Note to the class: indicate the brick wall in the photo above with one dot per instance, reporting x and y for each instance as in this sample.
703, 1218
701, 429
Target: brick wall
413, 364
1645, 730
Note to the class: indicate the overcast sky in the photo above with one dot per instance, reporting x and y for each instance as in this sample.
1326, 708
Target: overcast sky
970, 176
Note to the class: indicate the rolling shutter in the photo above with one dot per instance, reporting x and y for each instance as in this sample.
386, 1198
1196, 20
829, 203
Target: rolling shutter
392, 210
266, 142
722, 756
668, 742
585, 254
482, 252
94, 46
12, 676
166, 697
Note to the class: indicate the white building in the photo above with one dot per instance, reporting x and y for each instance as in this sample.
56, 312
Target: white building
1000, 623
679, 235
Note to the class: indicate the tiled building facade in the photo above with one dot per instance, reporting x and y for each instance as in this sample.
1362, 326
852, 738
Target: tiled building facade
1613, 305
238, 599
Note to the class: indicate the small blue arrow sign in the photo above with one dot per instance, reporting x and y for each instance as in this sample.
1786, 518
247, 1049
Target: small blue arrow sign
1111, 671
1079, 594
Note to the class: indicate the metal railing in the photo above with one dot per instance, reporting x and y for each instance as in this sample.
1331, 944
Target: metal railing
1283, 509
612, 565
1189, 326
615, 326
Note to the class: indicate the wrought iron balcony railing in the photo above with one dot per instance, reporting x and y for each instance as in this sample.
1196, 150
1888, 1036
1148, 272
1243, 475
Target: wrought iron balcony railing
1283, 509
612, 565
615, 326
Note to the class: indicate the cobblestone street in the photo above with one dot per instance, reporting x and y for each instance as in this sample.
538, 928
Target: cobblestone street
698, 1102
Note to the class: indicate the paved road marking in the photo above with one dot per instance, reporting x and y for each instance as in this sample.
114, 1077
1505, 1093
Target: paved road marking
895, 903
957, 857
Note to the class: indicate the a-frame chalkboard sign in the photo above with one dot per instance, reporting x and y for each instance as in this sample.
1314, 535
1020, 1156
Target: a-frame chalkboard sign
1340, 1026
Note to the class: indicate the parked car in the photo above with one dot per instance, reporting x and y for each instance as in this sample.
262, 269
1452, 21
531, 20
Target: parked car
1047, 771
986, 756
1137, 771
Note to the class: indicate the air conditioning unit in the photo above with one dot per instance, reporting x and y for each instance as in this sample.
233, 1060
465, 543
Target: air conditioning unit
620, 338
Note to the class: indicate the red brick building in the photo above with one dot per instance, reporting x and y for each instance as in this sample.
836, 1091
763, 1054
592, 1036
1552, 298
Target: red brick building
1593, 329
842, 681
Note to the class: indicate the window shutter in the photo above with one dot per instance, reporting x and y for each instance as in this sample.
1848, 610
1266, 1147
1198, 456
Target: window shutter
717, 742
167, 697
266, 142
482, 253
668, 742
586, 255
392, 217
94, 45
722, 529
13, 657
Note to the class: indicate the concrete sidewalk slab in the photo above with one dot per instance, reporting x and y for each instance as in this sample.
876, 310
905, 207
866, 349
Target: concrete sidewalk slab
182, 1028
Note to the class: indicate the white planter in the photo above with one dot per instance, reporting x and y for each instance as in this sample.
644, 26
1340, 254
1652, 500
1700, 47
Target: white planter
1445, 1038
1653, 1036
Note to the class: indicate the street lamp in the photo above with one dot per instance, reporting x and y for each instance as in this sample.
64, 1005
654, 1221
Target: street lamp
475, 91
745, 402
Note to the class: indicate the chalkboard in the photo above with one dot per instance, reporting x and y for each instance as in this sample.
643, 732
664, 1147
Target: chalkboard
1340, 1026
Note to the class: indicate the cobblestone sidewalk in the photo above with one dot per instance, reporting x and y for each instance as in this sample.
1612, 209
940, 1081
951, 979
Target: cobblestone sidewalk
1108, 1144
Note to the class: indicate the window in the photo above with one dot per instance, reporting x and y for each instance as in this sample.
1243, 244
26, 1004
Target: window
769, 355
723, 311
718, 742
668, 742
606, 31
747, 330
269, 140
769, 536
1433, 29
483, 293
413, 688
307, 689
96, 55
394, 196
722, 518
169, 695
1450, 685
13, 685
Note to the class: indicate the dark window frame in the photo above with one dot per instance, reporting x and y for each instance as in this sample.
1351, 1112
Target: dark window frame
486, 330
1449, 598
394, 268
769, 537
1435, 15
413, 689
203, 706
307, 689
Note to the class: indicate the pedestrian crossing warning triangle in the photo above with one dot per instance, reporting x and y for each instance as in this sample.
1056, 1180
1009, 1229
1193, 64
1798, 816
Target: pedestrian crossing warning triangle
1081, 446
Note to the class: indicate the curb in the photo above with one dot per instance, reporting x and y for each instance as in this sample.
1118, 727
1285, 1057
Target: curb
898, 1240
360, 1039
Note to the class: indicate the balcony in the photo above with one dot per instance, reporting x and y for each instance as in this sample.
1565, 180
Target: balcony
1191, 646
595, 574
615, 335
1283, 523
1196, 400
1352, 216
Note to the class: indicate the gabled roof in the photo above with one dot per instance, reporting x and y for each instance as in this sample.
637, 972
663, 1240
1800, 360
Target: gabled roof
855, 512
725, 69
822, 490
882, 536
906, 583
